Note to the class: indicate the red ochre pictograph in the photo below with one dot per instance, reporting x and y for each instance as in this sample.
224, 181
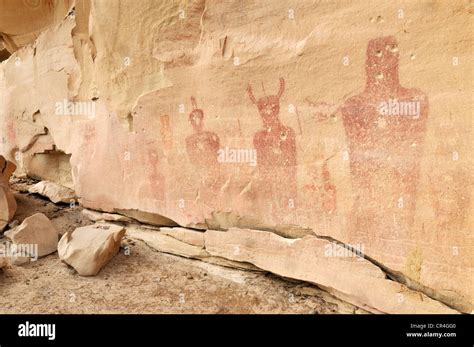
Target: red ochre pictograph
385, 127
202, 146
276, 151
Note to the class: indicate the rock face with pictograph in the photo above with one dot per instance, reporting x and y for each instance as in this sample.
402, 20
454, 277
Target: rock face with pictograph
205, 119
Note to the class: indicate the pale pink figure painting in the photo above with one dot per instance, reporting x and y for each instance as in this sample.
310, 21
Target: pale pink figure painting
202, 148
328, 191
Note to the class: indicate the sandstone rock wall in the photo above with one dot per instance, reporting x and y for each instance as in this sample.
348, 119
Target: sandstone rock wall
22, 21
347, 119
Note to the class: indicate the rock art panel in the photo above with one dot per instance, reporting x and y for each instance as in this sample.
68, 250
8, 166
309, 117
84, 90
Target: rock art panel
376, 169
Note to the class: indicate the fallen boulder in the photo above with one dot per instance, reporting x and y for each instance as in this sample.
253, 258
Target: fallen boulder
88, 249
7, 199
53, 191
37, 236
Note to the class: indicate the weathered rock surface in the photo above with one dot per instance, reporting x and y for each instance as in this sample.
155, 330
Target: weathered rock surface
108, 217
166, 243
177, 125
22, 21
6, 169
192, 237
13, 224
4, 54
183, 242
37, 231
7, 200
53, 191
3, 261
88, 249
147, 217
318, 261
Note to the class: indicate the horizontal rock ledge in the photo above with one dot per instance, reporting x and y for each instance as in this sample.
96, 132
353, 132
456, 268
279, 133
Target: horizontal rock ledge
339, 271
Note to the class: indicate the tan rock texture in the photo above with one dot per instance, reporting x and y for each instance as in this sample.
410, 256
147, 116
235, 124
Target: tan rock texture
7, 200
22, 21
36, 230
3, 261
19, 260
53, 191
183, 242
88, 249
99, 216
165, 243
318, 261
346, 119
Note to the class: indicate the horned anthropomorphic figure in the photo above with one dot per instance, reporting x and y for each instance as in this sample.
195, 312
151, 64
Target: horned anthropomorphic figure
385, 127
276, 151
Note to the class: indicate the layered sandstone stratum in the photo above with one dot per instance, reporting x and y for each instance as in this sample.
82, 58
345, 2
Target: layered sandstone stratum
326, 141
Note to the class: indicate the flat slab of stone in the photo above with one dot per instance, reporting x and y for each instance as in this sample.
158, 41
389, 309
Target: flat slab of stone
166, 243
97, 216
54, 192
183, 242
192, 237
321, 262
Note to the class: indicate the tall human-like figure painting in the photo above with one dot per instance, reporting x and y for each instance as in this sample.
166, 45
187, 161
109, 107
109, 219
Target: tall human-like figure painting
385, 127
202, 147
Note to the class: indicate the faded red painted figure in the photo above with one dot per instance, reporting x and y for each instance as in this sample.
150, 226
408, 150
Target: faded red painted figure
202, 148
328, 191
276, 151
385, 126
166, 132
11, 132
322, 197
157, 180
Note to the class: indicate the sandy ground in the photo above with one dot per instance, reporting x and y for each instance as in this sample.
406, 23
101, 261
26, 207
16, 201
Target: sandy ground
141, 280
